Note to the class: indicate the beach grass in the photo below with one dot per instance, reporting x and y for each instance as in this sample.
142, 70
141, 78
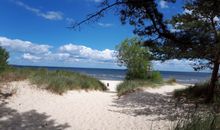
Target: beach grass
199, 90
58, 81
154, 80
171, 80
208, 121
129, 86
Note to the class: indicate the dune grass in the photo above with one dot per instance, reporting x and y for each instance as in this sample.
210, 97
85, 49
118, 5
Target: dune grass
56, 81
171, 80
129, 86
154, 80
197, 91
199, 122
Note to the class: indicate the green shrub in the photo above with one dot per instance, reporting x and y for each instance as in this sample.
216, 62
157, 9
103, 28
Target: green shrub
156, 77
135, 57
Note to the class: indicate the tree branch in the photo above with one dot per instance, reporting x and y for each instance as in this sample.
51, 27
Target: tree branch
98, 13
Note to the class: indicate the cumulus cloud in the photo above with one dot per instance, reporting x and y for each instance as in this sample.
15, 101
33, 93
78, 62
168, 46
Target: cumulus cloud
24, 46
173, 65
74, 54
105, 25
163, 4
69, 52
30, 57
50, 15
83, 52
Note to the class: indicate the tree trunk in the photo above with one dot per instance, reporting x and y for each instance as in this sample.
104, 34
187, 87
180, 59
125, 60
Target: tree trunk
214, 79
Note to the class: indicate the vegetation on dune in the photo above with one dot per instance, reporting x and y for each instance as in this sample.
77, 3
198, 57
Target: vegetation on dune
207, 121
139, 71
197, 92
62, 81
171, 80
129, 86
182, 36
4, 55
135, 57
55, 81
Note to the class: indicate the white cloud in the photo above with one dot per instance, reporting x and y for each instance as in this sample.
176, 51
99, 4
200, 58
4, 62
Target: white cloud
163, 4
173, 65
83, 52
69, 53
23, 46
70, 20
105, 25
73, 54
96, 1
50, 15
186, 11
28, 56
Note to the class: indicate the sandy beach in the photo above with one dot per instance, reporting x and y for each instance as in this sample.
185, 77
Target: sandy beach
36, 109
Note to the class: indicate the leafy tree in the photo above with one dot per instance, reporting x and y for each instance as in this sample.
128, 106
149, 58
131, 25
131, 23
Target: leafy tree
135, 58
3, 59
199, 38
194, 35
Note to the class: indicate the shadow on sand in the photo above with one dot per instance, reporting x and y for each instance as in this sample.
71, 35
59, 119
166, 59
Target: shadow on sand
11, 119
158, 105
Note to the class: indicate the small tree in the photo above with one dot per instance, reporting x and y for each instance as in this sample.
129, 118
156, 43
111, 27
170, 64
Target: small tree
135, 58
3, 59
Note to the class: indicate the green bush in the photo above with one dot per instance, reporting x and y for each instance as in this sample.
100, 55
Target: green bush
135, 57
156, 77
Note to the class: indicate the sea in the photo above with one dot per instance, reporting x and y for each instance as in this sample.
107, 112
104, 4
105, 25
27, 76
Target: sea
119, 74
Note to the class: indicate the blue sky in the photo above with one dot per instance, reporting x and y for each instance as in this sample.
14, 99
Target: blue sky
34, 32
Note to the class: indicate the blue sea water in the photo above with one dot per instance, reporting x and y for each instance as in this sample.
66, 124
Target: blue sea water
119, 74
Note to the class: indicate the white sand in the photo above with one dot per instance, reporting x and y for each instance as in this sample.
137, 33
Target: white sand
35, 109
165, 89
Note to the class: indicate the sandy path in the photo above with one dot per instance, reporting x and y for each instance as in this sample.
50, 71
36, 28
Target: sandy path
111, 84
34, 109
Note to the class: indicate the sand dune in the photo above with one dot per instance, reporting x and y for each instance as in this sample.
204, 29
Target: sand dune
36, 109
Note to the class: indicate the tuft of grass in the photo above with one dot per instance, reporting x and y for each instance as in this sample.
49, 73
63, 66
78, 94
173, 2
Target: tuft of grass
129, 86
156, 77
199, 122
171, 80
56, 81
199, 90
13, 74
62, 81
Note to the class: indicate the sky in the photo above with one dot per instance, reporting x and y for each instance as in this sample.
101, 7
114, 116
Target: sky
35, 32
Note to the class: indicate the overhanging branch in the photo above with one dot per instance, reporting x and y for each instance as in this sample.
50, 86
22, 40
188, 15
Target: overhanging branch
98, 13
